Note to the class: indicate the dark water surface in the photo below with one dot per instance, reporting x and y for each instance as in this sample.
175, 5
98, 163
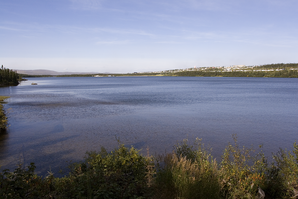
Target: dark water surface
61, 118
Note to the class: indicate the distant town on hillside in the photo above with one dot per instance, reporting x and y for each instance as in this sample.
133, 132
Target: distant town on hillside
268, 70
238, 68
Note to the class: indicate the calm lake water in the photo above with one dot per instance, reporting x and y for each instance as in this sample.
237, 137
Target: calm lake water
60, 119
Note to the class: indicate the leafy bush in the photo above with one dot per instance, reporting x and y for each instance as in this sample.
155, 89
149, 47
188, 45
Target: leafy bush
118, 174
189, 172
23, 183
284, 174
241, 174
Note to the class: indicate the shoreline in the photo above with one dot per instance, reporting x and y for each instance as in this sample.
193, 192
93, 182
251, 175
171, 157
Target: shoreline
3, 118
188, 172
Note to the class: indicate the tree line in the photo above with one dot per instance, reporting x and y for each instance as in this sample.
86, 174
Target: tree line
278, 66
283, 74
8, 77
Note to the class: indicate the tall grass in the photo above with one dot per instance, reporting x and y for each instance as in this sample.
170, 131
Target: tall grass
188, 172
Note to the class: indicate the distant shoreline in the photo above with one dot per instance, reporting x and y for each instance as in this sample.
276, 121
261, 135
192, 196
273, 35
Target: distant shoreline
270, 70
272, 74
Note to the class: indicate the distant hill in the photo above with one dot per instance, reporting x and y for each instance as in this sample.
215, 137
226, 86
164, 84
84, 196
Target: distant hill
48, 72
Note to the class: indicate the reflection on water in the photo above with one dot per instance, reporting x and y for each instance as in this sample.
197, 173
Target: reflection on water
60, 119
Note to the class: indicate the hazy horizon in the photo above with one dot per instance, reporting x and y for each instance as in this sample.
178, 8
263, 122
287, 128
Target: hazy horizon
115, 36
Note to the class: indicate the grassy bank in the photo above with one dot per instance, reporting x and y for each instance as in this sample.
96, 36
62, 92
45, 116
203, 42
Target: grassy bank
188, 172
3, 118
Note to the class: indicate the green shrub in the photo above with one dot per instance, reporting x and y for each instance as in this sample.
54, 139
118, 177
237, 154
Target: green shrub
189, 172
284, 173
3, 118
242, 175
23, 183
118, 174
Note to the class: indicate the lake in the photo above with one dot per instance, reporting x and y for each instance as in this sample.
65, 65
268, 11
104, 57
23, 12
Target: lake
58, 120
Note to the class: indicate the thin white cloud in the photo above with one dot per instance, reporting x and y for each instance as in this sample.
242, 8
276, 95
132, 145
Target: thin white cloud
122, 31
168, 42
195, 35
115, 42
8, 28
192, 34
94, 30
70, 29
178, 5
205, 4
276, 44
86, 4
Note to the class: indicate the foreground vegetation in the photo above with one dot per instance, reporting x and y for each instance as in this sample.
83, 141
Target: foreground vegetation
188, 172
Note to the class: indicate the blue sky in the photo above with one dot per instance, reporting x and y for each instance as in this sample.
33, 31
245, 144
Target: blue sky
146, 35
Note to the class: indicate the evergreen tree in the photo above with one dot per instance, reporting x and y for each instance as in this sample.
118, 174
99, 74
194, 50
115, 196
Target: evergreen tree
8, 77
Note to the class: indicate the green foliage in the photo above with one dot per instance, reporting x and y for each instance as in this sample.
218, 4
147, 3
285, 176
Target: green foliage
283, 73
279, 66
241, 173
189, 172
3, 118
286, 172
8, 77
270, 70
118, 174
23, 183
